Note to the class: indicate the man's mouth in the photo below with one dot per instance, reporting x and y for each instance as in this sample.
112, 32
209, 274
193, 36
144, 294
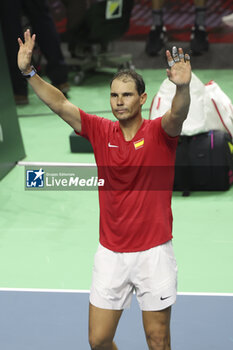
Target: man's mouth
121, 111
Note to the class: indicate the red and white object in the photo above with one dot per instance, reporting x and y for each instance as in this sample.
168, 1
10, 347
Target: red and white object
228, 20
210, 108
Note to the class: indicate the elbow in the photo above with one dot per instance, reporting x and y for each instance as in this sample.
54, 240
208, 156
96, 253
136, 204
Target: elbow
59, 106
180, 116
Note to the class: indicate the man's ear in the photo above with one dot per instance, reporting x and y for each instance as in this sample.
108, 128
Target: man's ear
143, 98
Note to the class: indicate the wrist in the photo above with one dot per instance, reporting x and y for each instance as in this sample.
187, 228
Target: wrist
182, 87
27, 70
30, 72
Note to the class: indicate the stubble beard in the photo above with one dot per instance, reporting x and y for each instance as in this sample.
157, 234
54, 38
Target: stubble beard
128, 117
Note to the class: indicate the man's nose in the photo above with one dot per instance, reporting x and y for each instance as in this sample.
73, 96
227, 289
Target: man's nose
119, 101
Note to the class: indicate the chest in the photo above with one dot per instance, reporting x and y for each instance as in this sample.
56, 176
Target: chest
143, 149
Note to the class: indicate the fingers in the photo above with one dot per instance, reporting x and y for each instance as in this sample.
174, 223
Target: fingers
187, 58
181, 54
170, 60
27, 35
20, 42
176, 56
28, 38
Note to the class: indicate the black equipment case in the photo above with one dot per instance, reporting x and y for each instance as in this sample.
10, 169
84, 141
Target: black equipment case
204, 162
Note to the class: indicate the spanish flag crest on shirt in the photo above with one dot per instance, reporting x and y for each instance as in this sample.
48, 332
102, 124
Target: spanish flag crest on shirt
139, 144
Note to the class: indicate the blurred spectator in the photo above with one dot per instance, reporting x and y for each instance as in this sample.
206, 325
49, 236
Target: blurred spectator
38, 14
155, 41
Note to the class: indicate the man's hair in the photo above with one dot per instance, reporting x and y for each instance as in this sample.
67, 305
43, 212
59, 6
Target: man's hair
131, 74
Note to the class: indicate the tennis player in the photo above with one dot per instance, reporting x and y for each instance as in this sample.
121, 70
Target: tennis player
135, 251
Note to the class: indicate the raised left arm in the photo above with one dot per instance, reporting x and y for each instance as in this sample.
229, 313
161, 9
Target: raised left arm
180, 74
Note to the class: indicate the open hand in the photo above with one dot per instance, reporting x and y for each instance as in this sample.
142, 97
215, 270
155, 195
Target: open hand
25, 51
180, 68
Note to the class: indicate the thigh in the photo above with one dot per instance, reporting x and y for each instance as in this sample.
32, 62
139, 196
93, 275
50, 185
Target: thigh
158, 321
156, 278
111, 288
157, 326
102, 324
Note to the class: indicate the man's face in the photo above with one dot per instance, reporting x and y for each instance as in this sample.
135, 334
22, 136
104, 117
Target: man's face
125, 100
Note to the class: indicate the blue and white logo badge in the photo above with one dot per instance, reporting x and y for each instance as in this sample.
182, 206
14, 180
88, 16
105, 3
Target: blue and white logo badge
35, 178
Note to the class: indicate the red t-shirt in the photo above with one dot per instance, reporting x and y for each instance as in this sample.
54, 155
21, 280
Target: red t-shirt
135, 205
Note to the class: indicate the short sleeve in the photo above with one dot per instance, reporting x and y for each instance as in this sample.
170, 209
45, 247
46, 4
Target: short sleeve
170, 141
93, 127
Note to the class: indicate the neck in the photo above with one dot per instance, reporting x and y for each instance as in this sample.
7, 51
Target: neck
130, 127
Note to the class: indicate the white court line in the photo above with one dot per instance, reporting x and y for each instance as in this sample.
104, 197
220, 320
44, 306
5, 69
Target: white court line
21, 163
206, 294
38, 290
83, 291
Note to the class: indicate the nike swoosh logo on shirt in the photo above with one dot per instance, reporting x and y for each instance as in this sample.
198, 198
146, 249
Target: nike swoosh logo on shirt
161, 298
110, 145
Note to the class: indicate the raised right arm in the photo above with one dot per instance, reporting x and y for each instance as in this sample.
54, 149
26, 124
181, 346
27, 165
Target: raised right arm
50, 95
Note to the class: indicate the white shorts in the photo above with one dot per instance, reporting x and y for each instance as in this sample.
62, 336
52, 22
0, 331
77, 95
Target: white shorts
152, 274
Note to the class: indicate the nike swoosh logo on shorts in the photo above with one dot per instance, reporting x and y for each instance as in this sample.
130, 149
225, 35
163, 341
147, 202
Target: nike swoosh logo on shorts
110, 145
161, 298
